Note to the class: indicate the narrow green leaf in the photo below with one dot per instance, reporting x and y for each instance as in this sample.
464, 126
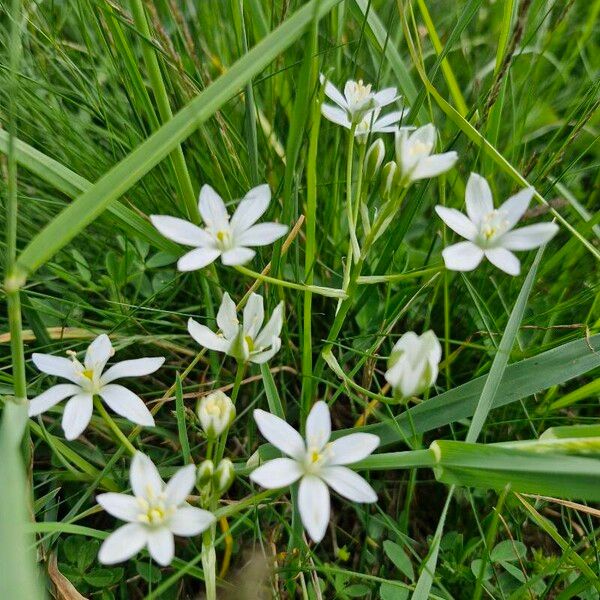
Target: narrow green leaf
181, 424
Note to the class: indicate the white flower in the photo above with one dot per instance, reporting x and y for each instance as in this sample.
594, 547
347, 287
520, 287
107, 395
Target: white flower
413, 154
413, 363
222, 236
317, 463
154, 513
490, 231
247, 341
216, 413
89, 379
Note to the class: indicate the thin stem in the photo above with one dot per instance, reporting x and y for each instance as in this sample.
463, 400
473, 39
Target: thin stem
113, 426
239, 376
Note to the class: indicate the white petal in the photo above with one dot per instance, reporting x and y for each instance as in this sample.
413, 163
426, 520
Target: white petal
55, 365
457, 222
527, 238
144, 478
332, 92
352, 448
478, 198
432, 166
386, 96
254, 315
77, 415
180, 485
349, 484
260, 358
335, 115
181, 231
425, 135
272, 329
189, 520
197, 259
122, 544
277, 473
250, 209
389, 119
227, 317
261, 234
127, 404
51, 397
132, 368
212, 208
98, 353
464, 256
161, 545
318, 425
237, 256
122, 506
516, 205
504, 259
314, 506
279, 433
207, 338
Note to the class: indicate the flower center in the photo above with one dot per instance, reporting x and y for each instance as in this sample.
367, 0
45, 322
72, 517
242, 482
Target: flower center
493, 225
250, 343
419, 148
223, 239
361, 91
154, 512
89, 373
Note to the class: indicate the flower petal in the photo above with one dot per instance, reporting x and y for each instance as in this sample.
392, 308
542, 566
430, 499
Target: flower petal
335, 115
98, 353
122, 506
161, 545
332, 92
237, 256
277, 473
51, 397
478, 198
318, 425
212, 209
262, 234
432, 166
504, 259
386, 96
144, 478
122, 544
464, 256
55, 365
254, 315
189, 520
77, 415
227, 317
527, 238
127, 404
279, 433
457, 222
197, 259
260, 358
207, 338
389, 119
180, 485
352, 448
272, 329
423, 135
349, 484
514, 208
250, 209
132, 368
181, 231
314, 505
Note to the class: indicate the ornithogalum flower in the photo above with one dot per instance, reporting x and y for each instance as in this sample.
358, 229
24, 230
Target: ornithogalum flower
317, 463
414, 154
228, 238
90, 379
248, 341
413, 363
490, 232
216, 412
155, 513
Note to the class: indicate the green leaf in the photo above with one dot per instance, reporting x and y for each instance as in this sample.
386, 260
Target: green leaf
508, 550
148, 572
104, 577
399, 557
388, 591
87, 554
358, 590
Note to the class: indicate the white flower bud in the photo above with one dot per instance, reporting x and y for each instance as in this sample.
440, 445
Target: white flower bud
413, 364
390, 180
224, 476
374, 158
216, 413
205, 472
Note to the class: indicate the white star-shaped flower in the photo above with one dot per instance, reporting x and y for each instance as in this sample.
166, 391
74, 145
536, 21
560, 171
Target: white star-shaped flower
89, 379
155, 513
318, 464
247, 341
490, 232
228, 238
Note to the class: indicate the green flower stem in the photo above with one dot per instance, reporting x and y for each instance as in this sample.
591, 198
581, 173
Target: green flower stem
359, 183
239, 376
113, 426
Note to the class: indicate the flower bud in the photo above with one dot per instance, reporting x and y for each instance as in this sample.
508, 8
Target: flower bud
205, 472
390, 180
224, 476
374, 158
216, 413
413, 364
